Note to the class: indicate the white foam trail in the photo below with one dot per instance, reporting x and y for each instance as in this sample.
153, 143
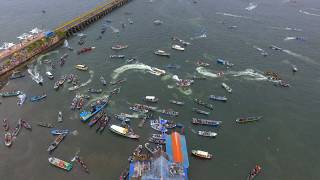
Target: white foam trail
289, 38
35, 75
287, 28
205, 72
249, 74
36, 30
204, 35
44, 56
81, 34
185, 91
251, 6
6, 45
301, 57
122, 69
308, 13
115, 30
233, 15
24, 36
83, 84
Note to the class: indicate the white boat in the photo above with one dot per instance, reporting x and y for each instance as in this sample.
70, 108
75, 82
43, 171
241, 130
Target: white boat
202, 154
157, 22
82, 67
49, 75
157, 72
151, 99
123, 131
177, 47
224, 85
60, 119
161, 53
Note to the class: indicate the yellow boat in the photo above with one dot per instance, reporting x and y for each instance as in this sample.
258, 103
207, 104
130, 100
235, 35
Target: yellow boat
81, 67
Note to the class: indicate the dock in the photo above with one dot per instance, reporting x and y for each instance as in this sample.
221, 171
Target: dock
27, 49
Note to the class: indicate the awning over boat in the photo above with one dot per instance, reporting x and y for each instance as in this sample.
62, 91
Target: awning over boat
119, 129
177, 149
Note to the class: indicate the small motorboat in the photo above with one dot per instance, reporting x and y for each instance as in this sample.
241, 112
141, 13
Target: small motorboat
60, 163
17, 128
294, 68
117, 56
161, 53
131, 60
225, 86
177, 47
224, 62
276, 48
84, 50
152, 99
180, 103
199, 111
5, 125
8, 139
38, 98
81, 67
207, 133
95, 91
45, 124
59, 131
119, 47
60, 118
26, 125
242, 120
218, 98
157, 22
21, 99
103, 81
157, 71
56, 142
254, 172
201, 154
49, 75
202, 63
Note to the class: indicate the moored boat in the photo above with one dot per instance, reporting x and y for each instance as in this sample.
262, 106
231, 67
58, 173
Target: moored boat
207, 133
123, 131
201, 154
169, 112
95, 119
248, 119
206, 122
254, 172
159, 136
60, 163
17, 129
161, 53
56, 142
199, 111
45, 124
37, 98
177, 47
8, 139
225, 86
81, 67
10, 94
218, 98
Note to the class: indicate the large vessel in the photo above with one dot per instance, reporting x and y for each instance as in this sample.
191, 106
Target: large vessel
202, 154
60, 163
206, 122
218, 98
248, 119
86, 115
123, 131
10, 94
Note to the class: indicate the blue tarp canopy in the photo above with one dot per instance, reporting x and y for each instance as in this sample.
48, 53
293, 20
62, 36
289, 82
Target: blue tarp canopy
49, 33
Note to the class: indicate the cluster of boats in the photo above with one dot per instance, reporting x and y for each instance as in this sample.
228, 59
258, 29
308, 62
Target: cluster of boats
10, 136
77, 102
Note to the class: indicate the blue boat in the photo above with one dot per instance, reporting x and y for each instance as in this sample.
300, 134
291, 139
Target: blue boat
224, 62
37, 98
86, 115
96, 119
59, 131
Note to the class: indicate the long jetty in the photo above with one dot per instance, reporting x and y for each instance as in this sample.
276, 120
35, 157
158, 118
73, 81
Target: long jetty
26, 50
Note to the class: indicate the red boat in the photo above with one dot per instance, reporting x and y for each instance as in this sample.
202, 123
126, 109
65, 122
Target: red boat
84, 50
254, 172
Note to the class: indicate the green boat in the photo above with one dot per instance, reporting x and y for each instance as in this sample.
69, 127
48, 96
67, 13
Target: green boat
10, 94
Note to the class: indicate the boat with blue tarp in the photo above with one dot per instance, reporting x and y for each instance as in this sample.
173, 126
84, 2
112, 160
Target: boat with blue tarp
86, 115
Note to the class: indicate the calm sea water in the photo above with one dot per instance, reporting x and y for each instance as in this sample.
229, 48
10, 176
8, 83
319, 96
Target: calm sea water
285, 143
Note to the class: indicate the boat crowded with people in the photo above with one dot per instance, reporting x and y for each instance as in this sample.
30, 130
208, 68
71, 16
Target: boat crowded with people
207, 122
123, 131
60, 163
201, 154
56, 142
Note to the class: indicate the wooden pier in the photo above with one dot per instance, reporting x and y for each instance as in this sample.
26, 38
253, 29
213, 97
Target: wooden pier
41, 43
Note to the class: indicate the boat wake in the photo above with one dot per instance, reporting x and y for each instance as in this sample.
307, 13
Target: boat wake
287, 29
205, 72
249, 74
203, 34
83, 84
233, 15
139, 66
309, 13
46, 56
35, 75
6, 45
301, 57
114, 30
251, 6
